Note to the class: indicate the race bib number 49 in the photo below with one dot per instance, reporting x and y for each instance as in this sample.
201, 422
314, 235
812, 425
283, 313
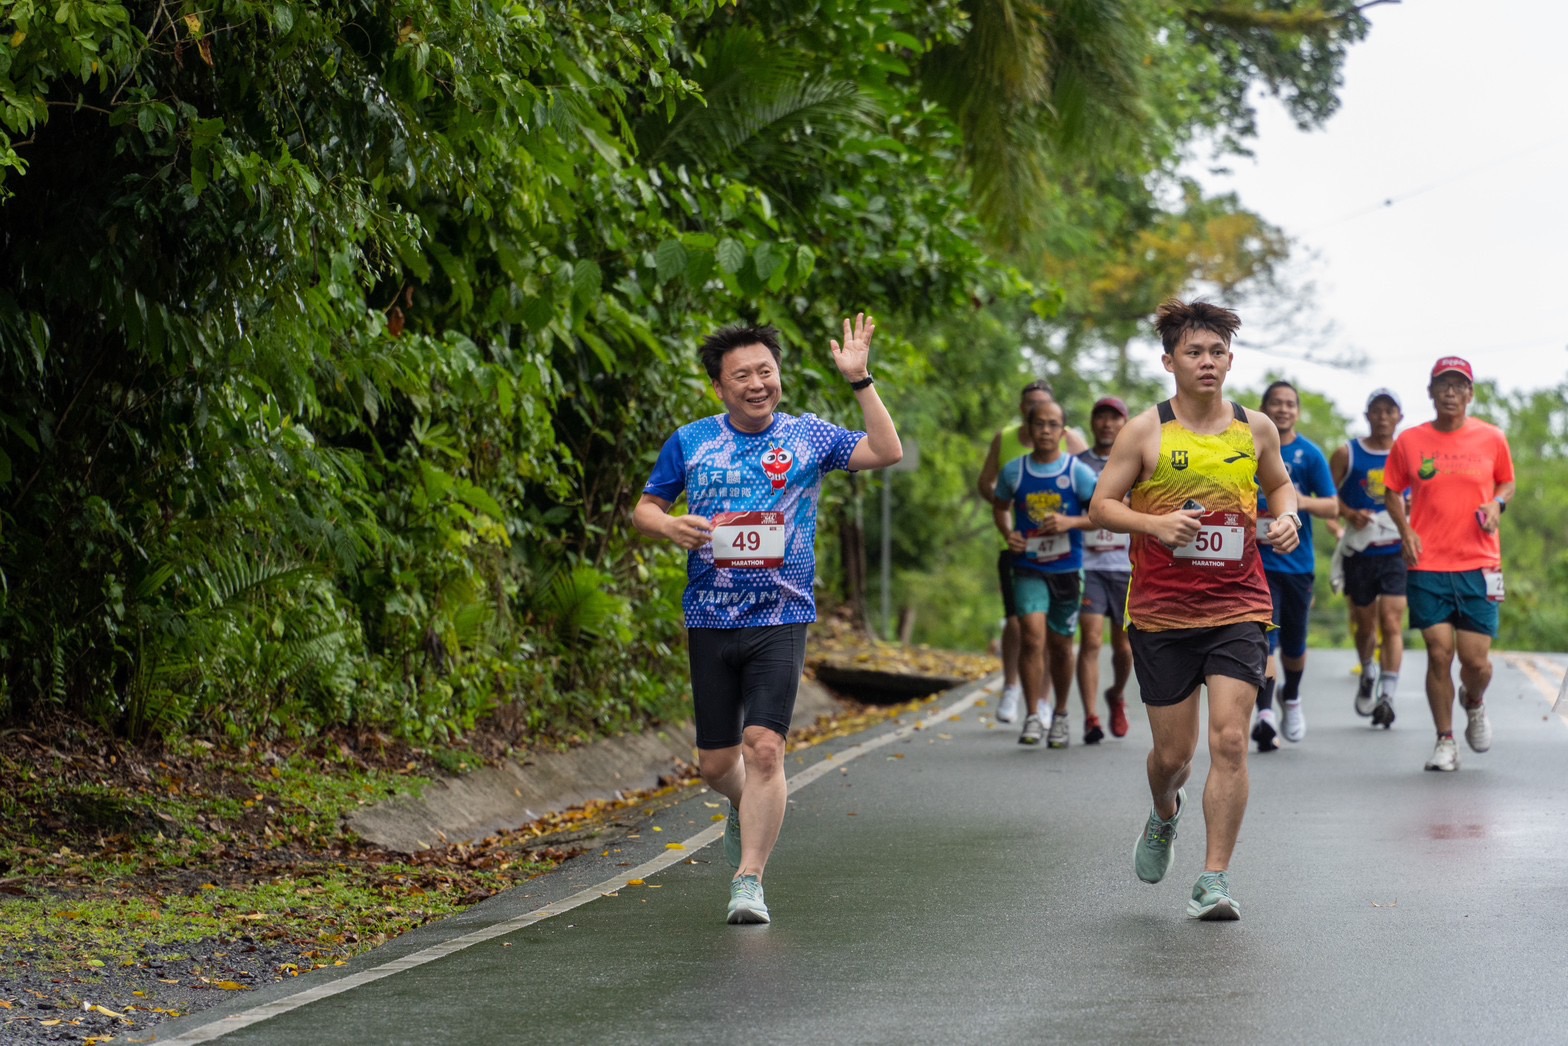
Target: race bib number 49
1219, 543
748, 540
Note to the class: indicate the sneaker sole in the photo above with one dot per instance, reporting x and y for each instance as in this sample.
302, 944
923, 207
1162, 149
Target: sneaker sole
746, 916
1368, 705
1222, 910
1265, 736
1383, 715
1443, 769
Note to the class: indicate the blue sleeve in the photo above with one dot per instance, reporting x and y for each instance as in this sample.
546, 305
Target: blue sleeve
842, 444
1322, 478
669, 472
1007, 481
1085, 479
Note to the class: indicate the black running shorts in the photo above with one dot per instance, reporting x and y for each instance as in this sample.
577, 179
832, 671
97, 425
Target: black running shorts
1171, 665
744, 677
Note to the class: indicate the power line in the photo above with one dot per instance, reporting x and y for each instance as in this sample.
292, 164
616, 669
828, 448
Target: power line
1390, 201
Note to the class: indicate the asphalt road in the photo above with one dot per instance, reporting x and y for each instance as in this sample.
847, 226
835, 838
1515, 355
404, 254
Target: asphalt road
941, 883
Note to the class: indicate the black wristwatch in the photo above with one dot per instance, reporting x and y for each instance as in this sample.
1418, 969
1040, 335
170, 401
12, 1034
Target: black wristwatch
863, 383
1502, 506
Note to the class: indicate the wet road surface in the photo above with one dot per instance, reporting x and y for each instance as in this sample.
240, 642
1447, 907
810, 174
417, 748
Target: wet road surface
944, 884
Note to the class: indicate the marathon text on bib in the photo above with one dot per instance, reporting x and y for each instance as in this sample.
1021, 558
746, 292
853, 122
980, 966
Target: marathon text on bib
1219, 543
749, 540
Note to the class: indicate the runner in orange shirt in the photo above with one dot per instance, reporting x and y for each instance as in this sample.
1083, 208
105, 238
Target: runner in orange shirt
1460, 474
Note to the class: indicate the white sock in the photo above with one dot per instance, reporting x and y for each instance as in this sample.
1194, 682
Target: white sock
1387, 683
1369, 670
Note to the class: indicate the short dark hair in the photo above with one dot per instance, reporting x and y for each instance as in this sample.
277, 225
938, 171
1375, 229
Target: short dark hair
1175, 318
736, 336
1037, 385
1263, 405
1052, 402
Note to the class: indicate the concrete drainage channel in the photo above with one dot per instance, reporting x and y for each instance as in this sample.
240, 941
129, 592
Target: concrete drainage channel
479, 804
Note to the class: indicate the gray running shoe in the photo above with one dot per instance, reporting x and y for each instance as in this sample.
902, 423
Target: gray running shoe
1365, 699
1211, 899
746, 904
1478, 732
732, 837
1059, 734
1033, 732
1157, 845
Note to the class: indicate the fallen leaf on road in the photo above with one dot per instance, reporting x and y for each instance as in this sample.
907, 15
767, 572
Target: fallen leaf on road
674, 846
231, 986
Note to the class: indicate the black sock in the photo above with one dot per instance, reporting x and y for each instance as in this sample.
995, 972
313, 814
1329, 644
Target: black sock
1292, 685
1266, 694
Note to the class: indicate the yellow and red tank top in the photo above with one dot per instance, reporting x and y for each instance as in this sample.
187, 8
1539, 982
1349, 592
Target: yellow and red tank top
1218, 579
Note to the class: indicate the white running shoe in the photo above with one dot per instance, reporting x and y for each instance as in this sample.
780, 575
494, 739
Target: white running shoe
1033, 732
1478, 732
1445, 756
1059, 734
1294, 724
1007, 707
1366, 700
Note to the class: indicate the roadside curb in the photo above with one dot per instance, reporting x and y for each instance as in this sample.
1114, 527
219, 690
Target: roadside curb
479, 804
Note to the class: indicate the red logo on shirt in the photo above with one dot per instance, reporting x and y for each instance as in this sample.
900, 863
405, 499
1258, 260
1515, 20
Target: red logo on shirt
776, 463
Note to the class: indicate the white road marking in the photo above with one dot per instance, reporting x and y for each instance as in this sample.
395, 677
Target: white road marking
256, 1014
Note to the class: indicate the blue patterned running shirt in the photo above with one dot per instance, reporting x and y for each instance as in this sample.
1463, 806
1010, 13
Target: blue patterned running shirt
761, 492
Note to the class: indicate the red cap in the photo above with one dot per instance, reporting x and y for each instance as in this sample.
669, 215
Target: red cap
1109, 403
1453, 363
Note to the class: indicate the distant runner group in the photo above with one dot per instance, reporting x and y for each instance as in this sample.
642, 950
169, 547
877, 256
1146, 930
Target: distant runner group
1183, 531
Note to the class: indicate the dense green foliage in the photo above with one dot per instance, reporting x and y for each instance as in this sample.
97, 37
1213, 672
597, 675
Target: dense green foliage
337, 337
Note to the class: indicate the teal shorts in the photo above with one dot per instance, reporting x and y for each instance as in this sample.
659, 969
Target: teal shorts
1057, 596
1455, 598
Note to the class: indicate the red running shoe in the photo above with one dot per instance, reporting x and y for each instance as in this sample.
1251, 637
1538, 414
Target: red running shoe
1118, 715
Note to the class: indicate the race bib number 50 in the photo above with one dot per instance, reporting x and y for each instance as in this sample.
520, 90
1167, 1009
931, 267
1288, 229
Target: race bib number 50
1219, 543
748, 540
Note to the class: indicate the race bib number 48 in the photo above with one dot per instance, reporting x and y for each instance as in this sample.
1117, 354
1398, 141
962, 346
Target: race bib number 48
749, 540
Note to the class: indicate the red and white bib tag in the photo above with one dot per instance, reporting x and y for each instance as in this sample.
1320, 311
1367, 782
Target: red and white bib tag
749, 540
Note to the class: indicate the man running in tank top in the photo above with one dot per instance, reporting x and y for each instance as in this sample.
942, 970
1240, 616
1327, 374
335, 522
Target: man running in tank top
1198, 603
1290, 575
1041, 508
1106, 571
1034, 393
1374, 568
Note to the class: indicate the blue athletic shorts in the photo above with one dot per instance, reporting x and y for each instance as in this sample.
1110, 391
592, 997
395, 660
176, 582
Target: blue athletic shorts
1292, 601
1054, 595
1455, 598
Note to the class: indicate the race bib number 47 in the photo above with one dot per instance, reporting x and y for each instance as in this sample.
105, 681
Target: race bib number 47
749, 540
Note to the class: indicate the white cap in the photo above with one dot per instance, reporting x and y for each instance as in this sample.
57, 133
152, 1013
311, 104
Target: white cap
1378, 394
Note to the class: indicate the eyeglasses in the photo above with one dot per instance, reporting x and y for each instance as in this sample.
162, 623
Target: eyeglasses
1451, 385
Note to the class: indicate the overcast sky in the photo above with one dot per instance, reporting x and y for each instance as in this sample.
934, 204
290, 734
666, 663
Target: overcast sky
1435, 201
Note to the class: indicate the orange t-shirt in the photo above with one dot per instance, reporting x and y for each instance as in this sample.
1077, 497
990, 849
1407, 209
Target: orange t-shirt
1450, 475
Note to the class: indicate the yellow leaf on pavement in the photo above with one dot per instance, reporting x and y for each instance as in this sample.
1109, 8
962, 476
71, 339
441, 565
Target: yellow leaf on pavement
674, 846
231, 986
